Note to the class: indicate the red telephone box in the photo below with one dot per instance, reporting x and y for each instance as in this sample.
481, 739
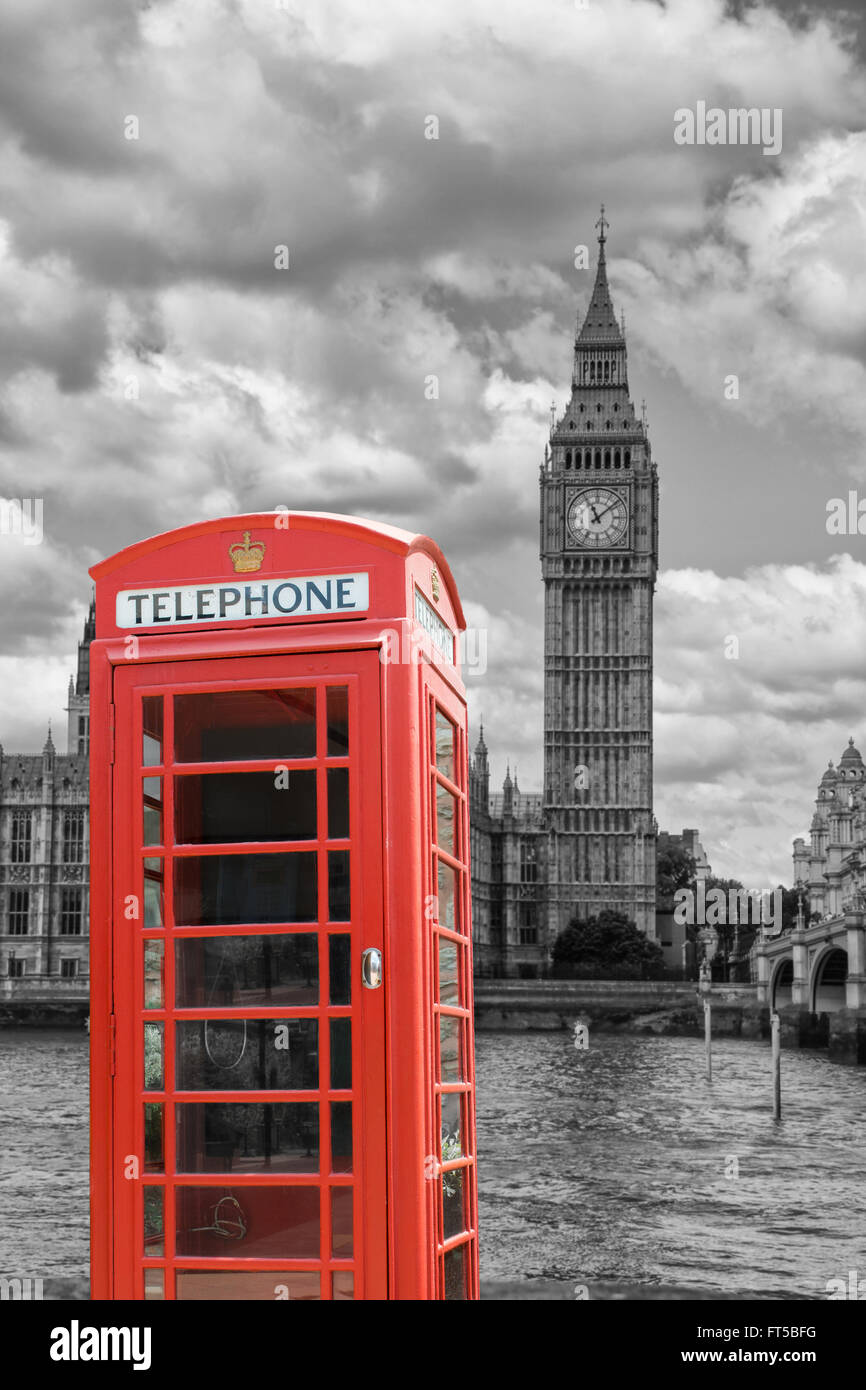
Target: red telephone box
281, 1028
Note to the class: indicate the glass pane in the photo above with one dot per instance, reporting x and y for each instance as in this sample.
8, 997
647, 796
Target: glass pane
448, 978
153, 1136
341, 1054
341, 1136
153, 1055
154, 1283
154, 1221
340, 986
208, 1285
444, 745
265, 1223
339, 907
230, 807
153, 975
248, 1054
151, 718
338, 803
228, 889
153, 900
228, 725
338, 721
222, 1137
453, 1222
341, 1222
447, 896
451, 1127
446, 819
454, 1266
451, 1048
152, 816
227, 971
344, 1284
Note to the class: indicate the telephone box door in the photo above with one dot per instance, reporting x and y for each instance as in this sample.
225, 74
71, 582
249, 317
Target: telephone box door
249, 1089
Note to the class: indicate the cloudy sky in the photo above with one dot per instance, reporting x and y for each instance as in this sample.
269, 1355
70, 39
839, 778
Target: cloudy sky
157, 367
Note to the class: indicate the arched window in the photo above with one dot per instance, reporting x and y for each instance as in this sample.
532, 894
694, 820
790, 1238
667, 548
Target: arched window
598, 458
592, 372
578, 458
582, 409
568, 458
617, 459
628, 458
571, 424
615, 408
607, 371
607, 458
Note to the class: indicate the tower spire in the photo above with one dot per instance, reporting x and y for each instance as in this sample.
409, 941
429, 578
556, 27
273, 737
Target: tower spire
600, 325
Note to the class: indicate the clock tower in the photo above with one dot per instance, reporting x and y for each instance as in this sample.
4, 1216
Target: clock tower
599, 554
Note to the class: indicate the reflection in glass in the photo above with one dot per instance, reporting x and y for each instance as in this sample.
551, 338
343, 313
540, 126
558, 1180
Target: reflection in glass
338, 721
341, 1222
451, 1050
270, 1223
153, 974
454, 1265
446, 820
154, 1284
231, 807
209, 1285
444, 745
154, 1221
453, 1221
339, 953
151, 719
248, 1054
343, 1285
230, 889
153, 1057
238, 725
153, 895
339, 908
338, 803
451, 1127
341, 1054
341, 1136
232, 1136
228, 971
154, 1149
448, 977
152, 814
447, 896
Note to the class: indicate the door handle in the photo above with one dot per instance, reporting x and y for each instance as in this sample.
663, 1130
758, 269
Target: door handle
371, 968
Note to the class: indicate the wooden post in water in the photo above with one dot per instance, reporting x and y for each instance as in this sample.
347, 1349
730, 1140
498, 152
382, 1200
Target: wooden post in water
775, 1034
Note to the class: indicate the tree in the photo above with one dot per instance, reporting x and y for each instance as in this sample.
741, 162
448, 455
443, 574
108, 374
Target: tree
608, 946
675, 869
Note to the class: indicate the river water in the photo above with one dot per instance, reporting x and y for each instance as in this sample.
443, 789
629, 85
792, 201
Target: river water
598, 1167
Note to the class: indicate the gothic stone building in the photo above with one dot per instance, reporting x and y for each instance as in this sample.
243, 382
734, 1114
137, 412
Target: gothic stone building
44, 860
588, 842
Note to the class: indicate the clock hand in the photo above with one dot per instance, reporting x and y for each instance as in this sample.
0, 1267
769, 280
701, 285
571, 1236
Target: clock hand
595, 516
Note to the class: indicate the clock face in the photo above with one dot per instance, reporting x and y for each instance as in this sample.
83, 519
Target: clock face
598, 518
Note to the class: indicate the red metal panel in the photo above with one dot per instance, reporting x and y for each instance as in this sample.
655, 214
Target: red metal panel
366, 930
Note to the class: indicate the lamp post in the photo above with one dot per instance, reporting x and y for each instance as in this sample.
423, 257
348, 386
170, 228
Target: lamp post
705, 989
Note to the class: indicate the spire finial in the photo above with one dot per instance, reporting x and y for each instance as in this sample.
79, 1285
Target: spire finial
602, 224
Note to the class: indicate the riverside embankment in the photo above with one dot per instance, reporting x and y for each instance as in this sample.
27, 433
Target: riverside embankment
661, 1007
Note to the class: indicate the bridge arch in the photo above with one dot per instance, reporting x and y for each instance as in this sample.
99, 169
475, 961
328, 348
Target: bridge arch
781, 985
827, 981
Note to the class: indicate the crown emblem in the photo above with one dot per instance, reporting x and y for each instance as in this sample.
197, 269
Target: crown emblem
434, 584
246, 557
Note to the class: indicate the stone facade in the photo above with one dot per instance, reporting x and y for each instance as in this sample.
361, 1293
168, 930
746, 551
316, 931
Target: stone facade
588, 842
44, 860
